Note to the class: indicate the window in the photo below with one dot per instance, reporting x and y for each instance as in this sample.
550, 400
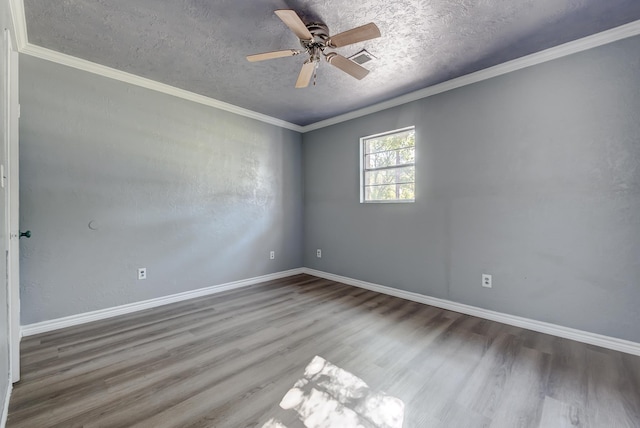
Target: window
388, 171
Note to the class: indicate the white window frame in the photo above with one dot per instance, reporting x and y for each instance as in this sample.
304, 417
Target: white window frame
363, 170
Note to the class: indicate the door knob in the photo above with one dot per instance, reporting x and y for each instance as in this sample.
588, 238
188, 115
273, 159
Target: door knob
26, 234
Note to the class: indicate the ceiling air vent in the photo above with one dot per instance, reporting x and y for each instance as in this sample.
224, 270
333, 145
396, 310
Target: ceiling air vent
362, 57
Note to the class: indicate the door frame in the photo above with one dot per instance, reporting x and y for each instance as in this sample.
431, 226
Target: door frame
12, 192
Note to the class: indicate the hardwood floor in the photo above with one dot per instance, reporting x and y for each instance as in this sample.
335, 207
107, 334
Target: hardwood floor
229, 359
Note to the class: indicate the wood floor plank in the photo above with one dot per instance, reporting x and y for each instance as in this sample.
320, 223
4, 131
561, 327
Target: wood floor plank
605, 403
485, 387
227, 360
561, 415
524, 390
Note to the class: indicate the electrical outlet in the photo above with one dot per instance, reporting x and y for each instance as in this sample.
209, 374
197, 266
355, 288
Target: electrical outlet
142, 273
319, 253
486, 280
272, 255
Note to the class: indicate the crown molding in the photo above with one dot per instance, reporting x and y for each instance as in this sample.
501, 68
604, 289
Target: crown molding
566, 49
19, 23
589, 42
22, 43
112, 73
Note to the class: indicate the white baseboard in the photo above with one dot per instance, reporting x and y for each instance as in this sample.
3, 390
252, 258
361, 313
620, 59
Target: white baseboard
5, 409
58, 323
539, 326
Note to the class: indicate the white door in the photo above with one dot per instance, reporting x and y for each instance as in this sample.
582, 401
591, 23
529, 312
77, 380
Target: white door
12, 191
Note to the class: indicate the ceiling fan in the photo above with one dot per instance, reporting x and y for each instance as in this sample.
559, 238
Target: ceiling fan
314, 39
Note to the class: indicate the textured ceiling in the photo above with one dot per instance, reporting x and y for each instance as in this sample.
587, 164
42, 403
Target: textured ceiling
200, 45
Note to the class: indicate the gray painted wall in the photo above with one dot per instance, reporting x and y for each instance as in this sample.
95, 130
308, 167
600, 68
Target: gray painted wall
196, 195
532, 177
5, 22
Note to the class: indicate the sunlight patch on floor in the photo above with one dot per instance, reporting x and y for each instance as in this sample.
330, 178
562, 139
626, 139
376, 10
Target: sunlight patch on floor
328, 396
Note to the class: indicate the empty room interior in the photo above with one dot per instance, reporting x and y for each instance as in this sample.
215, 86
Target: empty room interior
286, 214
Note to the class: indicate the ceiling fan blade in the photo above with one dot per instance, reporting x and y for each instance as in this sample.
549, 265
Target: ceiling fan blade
305, 74
293, 21
348, 66
271, 55
359, 34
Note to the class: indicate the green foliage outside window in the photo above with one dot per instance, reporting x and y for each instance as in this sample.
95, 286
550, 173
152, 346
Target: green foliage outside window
389, 167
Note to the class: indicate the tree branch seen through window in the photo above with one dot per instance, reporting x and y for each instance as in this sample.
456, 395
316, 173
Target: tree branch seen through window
388, 167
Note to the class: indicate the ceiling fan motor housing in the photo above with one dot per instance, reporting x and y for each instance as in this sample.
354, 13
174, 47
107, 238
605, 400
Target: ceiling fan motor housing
320, 33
